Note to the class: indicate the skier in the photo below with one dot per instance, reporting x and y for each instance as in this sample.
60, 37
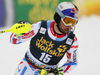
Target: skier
50, 41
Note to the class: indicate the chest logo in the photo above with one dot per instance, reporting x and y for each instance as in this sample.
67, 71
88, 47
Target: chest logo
48, 47
42, 30
62, 48
69, 41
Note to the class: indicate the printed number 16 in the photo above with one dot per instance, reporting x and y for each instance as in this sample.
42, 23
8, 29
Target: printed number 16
45, 57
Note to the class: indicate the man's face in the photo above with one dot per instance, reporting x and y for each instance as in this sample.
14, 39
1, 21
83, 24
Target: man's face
63, 28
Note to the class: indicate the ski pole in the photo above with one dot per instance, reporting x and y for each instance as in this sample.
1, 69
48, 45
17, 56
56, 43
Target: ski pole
47, 72
18, 28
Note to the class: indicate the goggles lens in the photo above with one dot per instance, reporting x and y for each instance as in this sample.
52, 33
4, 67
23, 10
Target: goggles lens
68, 21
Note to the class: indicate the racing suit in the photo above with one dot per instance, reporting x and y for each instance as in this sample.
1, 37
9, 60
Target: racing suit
46, 49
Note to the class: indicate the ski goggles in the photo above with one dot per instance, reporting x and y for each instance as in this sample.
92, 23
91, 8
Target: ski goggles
69, 21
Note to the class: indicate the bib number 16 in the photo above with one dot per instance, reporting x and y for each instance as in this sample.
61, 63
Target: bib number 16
45, 57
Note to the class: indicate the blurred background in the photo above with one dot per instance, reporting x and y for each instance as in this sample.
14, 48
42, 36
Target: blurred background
87, 32
35, 10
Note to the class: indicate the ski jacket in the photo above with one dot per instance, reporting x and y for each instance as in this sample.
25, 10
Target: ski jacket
47, 48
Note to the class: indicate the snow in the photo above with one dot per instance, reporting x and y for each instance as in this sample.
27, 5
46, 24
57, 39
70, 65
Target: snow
87, 32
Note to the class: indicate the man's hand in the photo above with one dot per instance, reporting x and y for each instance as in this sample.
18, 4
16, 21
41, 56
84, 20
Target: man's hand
22, 22
58, 71
19, 34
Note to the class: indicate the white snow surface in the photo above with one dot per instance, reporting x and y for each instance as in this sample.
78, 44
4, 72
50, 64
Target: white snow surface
88, 33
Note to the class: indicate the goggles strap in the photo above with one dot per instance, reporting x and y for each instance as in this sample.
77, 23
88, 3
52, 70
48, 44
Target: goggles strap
73, 28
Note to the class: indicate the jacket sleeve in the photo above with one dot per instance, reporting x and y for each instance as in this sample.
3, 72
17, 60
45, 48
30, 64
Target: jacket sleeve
72, 57
19, 39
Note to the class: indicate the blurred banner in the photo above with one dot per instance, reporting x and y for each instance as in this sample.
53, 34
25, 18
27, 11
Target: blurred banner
35, 10
88, 7
11, 11
2, 13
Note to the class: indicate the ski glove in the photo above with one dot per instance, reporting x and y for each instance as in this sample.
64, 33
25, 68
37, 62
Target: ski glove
21, 22
19, 34
58, 71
